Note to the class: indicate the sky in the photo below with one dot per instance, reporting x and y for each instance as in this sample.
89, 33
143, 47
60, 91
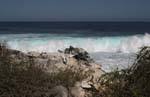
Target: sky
74, 10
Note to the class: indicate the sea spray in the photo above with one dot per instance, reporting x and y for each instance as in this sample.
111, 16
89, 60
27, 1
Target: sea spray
53, 42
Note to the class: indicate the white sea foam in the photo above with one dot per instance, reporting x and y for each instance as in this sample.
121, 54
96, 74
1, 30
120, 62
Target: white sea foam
51, 43
113, 61
111, 52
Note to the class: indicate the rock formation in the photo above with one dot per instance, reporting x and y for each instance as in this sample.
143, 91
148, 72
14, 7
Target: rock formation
73, 58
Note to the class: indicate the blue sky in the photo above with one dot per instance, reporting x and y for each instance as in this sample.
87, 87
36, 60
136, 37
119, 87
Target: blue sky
74, 10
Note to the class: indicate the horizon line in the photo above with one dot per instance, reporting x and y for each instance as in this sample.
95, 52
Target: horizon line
72, 21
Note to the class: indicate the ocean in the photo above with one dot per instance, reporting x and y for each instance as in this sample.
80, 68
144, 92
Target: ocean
112, 44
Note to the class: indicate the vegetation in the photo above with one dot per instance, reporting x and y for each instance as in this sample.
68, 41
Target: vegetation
25, 79
132, 82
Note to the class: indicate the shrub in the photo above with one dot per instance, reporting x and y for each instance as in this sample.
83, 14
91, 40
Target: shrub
25, 79
132, 82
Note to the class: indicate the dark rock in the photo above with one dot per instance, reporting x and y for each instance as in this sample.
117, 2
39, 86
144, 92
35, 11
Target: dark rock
44, 55
79, 53
51, 63
60, 51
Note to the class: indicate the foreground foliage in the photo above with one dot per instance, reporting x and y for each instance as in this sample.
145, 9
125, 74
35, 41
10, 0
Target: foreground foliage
25, 79
132, 82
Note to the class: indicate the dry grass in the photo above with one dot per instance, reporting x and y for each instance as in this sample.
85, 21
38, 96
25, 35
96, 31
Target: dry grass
132, 82
25, 79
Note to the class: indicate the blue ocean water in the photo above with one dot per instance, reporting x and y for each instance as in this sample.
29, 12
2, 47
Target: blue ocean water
112, 44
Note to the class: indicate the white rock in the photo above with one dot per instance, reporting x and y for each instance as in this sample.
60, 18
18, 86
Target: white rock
77, 91
85, 85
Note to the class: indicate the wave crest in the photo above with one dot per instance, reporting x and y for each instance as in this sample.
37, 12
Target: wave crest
49, 43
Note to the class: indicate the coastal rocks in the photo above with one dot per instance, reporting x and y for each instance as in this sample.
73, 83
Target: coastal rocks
78, 53
33, 54
77, 90
72, 58
86, 85
58, 91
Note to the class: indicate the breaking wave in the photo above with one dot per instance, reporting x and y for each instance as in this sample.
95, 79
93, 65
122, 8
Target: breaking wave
53, 42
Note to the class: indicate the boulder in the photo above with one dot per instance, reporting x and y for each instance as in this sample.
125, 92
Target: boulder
58, 91
85, 85
77, 90
78, 53
33, 54
73, 58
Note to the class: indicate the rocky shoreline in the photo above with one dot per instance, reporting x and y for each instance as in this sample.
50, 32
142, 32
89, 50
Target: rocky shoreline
69, 73
71, 58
